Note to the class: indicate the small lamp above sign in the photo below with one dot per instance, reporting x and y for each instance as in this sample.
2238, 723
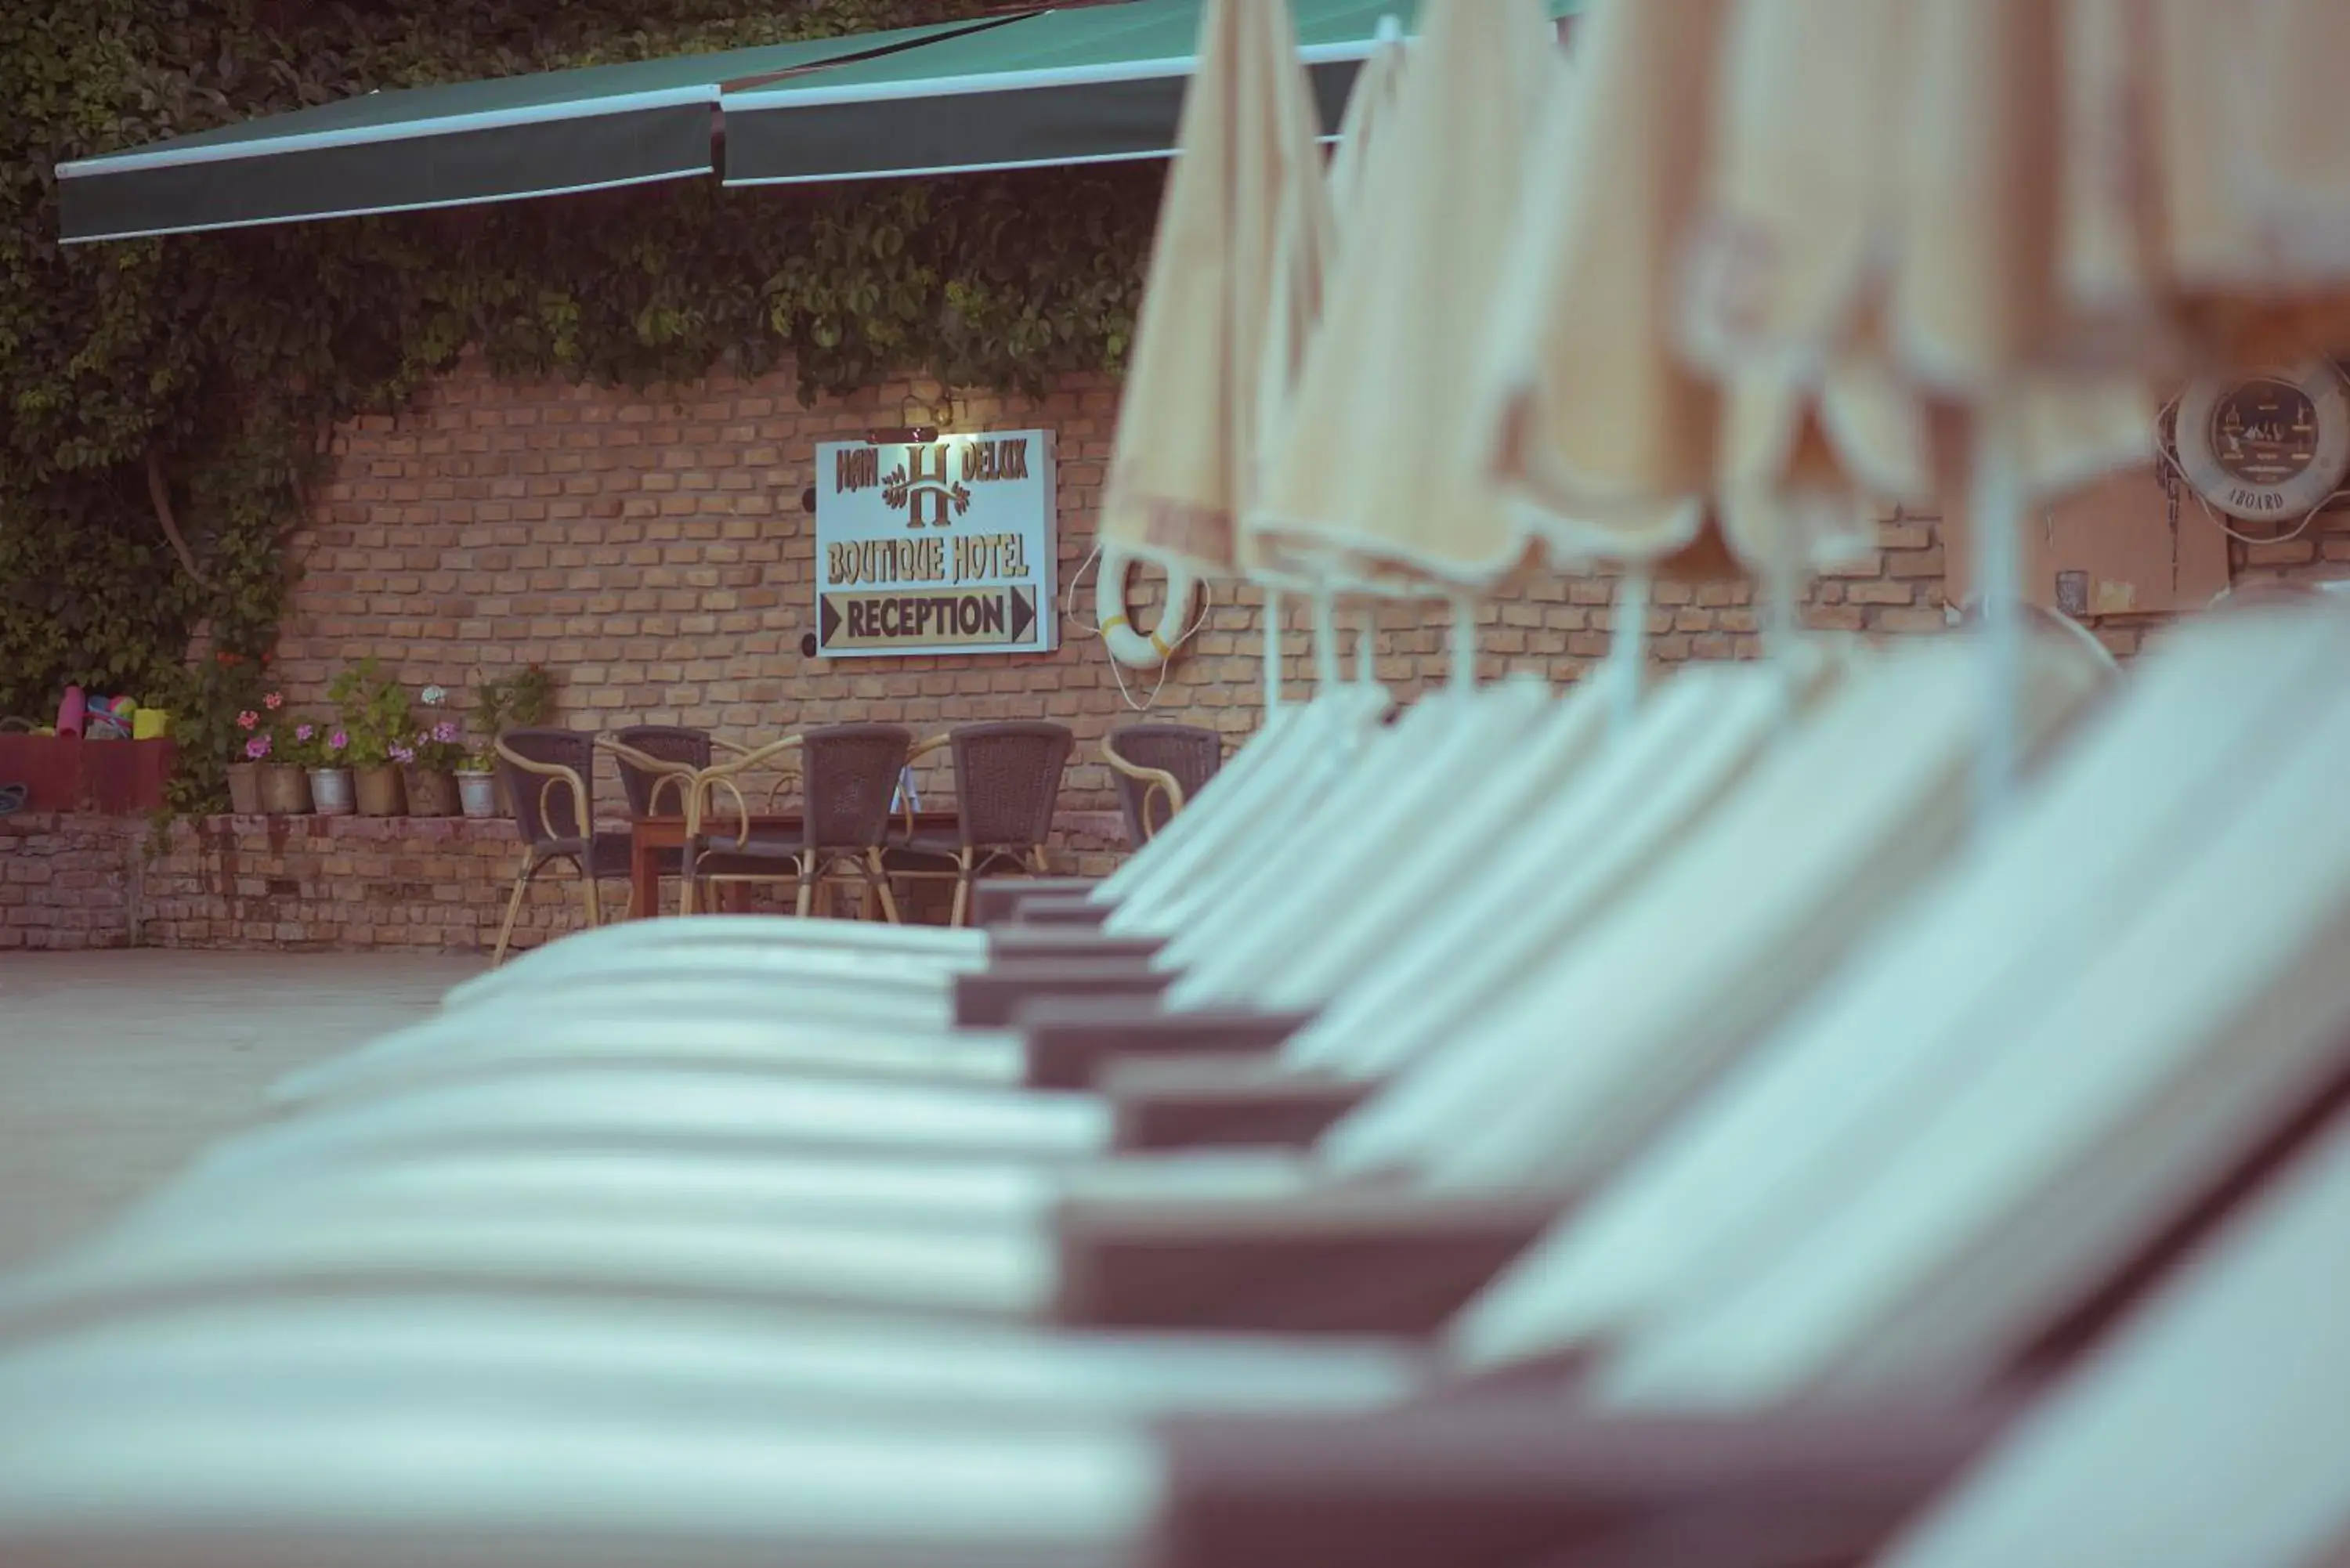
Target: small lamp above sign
2270, 447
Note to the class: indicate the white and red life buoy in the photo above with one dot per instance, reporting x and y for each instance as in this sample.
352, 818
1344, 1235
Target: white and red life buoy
2272, 446
1136, 648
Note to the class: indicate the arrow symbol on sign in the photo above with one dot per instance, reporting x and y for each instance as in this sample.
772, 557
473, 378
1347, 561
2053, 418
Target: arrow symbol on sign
1024, 614
828, 620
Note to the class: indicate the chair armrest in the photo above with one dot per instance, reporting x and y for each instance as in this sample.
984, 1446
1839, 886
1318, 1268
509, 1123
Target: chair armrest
668, 773
751, 757
1159, 782
1172, 1102
1526, 1477
1018, 943
727, 776
997, 900
992, 998
549, 776
1373, 1259
1070, 1039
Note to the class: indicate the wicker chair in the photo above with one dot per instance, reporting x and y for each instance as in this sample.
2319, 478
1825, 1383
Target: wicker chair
1007, 784
1160, 768
849, 773
550, 780
657, 764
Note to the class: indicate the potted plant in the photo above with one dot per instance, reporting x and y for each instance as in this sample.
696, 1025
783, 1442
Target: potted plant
285, 785
245, 775
477, 782
208, 702
374, 711
332, 791
428, 759
516, 701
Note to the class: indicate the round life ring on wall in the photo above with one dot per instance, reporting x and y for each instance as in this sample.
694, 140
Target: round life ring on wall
2269, 447
1141, 649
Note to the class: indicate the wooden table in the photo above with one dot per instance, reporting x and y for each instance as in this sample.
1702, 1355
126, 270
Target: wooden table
649, 836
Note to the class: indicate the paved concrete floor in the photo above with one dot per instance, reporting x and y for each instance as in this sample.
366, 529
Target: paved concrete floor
116, 1067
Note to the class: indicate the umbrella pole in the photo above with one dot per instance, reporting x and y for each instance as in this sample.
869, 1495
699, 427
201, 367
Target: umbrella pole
1995, 519
1272, 650
1464, 643
1366, 647
1327, 673
1783, 633
1628, 648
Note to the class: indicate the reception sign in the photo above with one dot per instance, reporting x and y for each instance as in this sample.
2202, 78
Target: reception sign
946, 546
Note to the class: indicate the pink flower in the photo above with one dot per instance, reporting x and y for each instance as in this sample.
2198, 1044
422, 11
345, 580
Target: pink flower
402, 754
274, 701
445, 730
338, 740
304, 731
257, 747
248, 720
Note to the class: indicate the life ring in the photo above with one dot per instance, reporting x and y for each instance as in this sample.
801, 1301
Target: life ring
2269, 447
1140, 650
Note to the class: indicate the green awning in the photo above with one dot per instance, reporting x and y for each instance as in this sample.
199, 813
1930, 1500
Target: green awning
1081, 85
445, 146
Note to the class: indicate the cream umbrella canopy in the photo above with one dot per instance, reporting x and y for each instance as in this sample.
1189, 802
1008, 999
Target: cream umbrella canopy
1378, 472
1600, 426
1368, 118
2210, 211
1611, 441
2068, 201
1233, 290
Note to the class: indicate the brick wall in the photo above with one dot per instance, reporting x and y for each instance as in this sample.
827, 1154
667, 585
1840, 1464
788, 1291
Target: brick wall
651, 550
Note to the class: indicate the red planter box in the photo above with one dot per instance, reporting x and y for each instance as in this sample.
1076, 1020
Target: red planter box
113, 778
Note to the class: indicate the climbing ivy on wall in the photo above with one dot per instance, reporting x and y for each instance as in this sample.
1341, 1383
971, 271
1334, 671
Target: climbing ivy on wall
193, 378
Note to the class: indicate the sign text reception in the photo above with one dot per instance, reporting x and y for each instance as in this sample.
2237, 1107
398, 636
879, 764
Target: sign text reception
942, 548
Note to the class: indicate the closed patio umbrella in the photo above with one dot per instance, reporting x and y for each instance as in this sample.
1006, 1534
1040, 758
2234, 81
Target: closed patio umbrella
1885, 210
2017, 216
1369, 116
1234, 286
1614, 443
1377, 473
1238, 259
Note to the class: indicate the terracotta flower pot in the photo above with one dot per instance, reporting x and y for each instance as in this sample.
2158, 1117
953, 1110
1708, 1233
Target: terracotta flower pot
244, 788
431, 793
285, 790
479, 794
330, 790
377, 790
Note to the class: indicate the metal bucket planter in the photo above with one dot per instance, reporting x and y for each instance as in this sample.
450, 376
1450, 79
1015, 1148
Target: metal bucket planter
377, 790
478, 794
330, 790
244, 788
431, 793
285, 790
